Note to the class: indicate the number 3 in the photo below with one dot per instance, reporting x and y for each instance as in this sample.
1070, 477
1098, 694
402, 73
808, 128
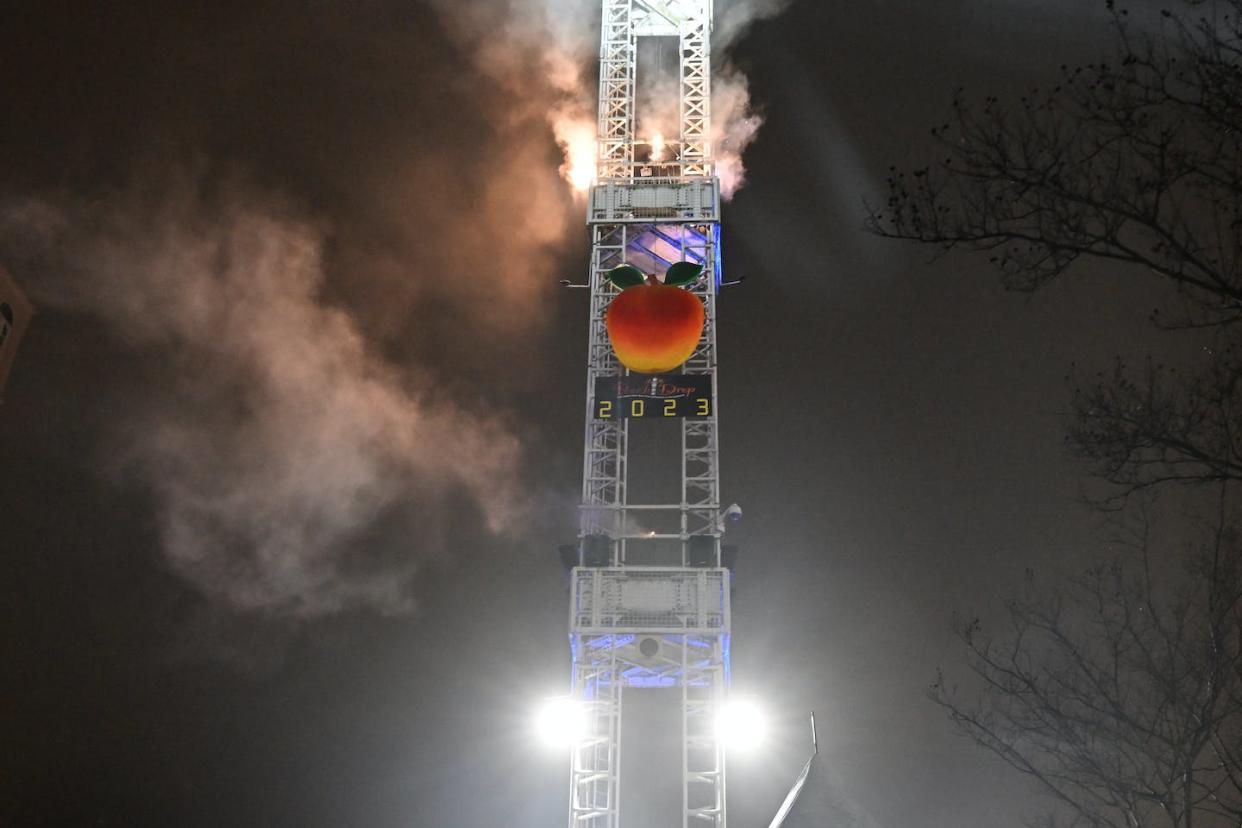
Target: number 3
705, 407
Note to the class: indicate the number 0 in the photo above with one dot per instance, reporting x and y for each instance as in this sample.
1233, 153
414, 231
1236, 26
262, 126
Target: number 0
637, 408
705, 407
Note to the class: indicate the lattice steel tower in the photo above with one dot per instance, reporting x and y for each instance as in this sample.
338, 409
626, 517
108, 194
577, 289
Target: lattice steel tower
650, 606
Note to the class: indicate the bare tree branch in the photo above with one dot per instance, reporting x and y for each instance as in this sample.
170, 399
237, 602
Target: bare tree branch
1120, 694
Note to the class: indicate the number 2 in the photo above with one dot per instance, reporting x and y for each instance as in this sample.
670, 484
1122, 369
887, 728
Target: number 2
670, 408
605, 409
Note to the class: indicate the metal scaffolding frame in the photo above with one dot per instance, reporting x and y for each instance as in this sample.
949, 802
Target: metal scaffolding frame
635, 625
624, 21
618, 56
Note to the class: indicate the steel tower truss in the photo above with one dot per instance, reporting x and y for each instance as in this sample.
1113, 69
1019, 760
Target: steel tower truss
650, 608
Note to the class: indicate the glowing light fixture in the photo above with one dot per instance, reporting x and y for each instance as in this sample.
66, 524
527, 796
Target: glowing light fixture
740, 724
562, 722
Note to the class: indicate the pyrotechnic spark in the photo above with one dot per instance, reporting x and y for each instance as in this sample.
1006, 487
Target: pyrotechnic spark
657, 148
577, 140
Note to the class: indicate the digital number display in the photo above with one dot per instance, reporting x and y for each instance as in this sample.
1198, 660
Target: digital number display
685, 395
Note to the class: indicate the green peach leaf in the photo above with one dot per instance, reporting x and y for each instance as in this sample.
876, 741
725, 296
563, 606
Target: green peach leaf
683, 273
624, 276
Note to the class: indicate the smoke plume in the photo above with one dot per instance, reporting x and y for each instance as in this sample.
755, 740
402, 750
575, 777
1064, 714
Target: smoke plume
735, 120
321, 338
281, 437
559, 39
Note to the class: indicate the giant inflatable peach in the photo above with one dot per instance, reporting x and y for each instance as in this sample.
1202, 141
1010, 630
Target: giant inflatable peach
654, 326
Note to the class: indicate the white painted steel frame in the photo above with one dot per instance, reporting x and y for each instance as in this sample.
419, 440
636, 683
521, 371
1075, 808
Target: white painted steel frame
624, 21
696, 100
618, 56
605, 508
657, 630
636, 627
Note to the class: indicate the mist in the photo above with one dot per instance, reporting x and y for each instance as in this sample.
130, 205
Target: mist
279, 435
558, 40
326, 308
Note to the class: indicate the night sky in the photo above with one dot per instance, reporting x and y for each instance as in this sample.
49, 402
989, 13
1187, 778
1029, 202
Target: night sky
290, 446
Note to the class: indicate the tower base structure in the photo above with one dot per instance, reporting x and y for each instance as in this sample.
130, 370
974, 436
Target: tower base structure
649, 627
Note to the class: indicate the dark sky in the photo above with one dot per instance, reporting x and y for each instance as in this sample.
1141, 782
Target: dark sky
289, 448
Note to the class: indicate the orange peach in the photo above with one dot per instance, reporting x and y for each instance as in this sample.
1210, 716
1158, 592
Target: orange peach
654, 327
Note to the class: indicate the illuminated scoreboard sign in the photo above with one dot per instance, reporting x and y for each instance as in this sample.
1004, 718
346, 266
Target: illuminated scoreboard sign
685, 395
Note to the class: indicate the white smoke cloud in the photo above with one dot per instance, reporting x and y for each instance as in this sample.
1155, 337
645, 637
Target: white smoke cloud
735, 125
280, 448
735, 121
658, 93
735, 17
559, 38
281, 438
539, 52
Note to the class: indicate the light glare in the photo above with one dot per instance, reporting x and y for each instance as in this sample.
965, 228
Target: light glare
577, 141
657, 148
740, 724
562, 722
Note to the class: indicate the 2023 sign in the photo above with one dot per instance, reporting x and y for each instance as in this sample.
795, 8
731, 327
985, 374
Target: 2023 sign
686, 395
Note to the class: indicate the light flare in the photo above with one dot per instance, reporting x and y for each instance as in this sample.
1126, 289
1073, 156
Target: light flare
657, 148
740, 724
577, 140
562, 722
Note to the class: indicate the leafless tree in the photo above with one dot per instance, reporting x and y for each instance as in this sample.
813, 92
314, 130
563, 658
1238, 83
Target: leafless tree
1120, 693
1160, 427
1137, 160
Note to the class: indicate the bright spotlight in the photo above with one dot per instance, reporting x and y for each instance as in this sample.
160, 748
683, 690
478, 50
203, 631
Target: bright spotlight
562, 722
740, 724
